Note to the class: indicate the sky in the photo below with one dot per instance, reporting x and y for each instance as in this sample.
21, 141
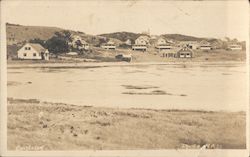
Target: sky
197, 18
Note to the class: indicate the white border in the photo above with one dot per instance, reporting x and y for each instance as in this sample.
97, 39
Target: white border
127, 153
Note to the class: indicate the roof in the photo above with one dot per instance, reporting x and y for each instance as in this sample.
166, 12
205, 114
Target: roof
185, 49
110, 42
160, 38
173, 50
144, 37
204, 42
176, 50
37, 47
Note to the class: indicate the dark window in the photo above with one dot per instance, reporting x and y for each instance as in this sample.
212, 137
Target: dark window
24, 54
27, 48
34, 54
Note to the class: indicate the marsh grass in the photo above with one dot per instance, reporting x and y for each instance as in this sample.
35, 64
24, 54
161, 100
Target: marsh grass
70, 127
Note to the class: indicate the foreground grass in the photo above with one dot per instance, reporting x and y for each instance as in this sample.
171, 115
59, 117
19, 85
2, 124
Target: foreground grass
55, 126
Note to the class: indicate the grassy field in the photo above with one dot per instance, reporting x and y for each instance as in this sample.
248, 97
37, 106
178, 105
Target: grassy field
55, 126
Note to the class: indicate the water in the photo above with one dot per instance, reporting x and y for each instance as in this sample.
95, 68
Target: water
197, 87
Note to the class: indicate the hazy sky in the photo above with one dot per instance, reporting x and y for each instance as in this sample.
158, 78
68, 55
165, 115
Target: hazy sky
197, 18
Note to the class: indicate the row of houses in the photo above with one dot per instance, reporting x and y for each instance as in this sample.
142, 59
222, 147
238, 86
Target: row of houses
182, 49
142, 43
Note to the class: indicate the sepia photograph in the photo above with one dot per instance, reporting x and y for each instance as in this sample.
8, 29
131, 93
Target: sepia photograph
130, 75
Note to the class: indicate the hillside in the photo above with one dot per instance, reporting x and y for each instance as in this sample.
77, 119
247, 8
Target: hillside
180, 37
19, 33
122, 36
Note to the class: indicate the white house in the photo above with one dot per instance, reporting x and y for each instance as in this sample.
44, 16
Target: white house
141, 43
162, 44
128, 42
190, 44
235, 47
204, 45
109, 45
78, 43
33, 51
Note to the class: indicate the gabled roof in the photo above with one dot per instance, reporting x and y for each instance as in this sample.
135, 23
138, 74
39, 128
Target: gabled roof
185, 49
110, 42
204, 42
144, 37
37, 47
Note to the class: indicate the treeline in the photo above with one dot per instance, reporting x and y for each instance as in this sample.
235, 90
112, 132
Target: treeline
56, 44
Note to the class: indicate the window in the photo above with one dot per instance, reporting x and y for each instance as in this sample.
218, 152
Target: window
24, 54
27, 48
34, 54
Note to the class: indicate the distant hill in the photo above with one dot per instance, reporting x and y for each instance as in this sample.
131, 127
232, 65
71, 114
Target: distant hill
19, 33
180, 37
122, 36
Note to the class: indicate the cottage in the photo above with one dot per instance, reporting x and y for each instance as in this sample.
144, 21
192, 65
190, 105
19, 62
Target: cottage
184, 52
141, 43
235, 47
109, 46
33, 51
78, 43
162, 44
204, 45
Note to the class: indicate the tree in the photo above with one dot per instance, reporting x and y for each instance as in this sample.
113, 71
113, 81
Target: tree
227, 39
59, 42
67, 35
101, 41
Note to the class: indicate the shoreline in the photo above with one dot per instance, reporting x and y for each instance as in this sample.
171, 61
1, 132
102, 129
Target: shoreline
36, 101
112, 64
